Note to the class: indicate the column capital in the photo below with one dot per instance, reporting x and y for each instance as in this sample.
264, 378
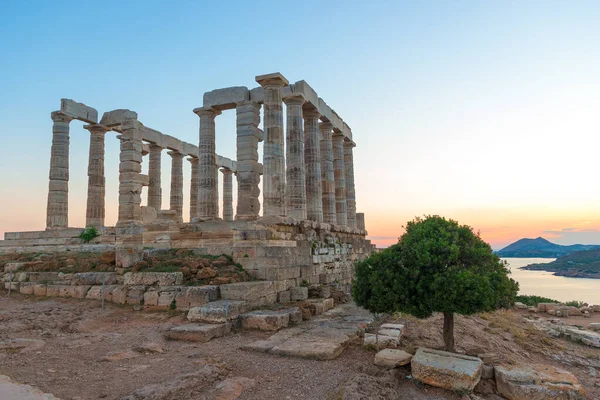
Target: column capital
325, 126
295, 99
58, 116
310, 112
274, 79
193, 160
226, 171
210, 112
176, 154
348, 143
338, 134
154, 147
96, 128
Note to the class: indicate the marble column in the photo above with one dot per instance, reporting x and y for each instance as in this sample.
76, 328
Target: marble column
57, 211
207, 165
273, 157
227, 194
294, 153
327, 173
248, 167
130, 177
350, 190
360, 221
154, 186
194, 188
96, 194
339, 172
176, 193
312, 163
216, 192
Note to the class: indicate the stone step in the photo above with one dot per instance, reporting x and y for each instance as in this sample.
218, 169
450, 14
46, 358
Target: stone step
198, 332
217, 312
268, 320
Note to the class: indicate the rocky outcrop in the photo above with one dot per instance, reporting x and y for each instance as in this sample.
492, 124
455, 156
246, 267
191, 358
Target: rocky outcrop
446, 370
537, 382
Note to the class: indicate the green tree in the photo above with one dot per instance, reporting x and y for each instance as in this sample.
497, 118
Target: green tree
437, 266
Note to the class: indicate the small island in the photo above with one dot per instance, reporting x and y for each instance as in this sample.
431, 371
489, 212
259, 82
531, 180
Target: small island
580, 264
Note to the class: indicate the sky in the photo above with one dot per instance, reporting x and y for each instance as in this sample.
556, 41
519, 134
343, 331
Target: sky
484, 112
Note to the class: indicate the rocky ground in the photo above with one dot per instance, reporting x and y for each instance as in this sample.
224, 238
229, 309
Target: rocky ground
75, 350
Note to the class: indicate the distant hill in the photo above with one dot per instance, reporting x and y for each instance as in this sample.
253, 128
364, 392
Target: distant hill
540, 247
580, 264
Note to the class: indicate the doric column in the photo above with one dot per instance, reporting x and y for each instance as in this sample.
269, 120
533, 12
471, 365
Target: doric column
176, 193
227, 194
273, 157
294, 152
130, 177
248, 167
327, 174
57, 211
350, 190
360, 221
95, 211
312, 163
154, 186
207, 165
339, 172
194, 188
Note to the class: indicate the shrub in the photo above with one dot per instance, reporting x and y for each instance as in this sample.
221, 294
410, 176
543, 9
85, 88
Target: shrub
89, 234
533, 301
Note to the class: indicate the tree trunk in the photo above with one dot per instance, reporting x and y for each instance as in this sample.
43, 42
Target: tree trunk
449, 332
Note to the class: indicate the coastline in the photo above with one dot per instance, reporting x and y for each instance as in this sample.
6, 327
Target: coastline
571, 273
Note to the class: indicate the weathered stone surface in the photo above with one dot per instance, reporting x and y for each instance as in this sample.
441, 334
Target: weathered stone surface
520, 306
126, 258
537, 382
11, 390
247, 291
120, 355
446, 370
78, 111
389, 358
595, 326
284, 296
15, 266
299, 293
380, 341
196, 332
195, 296
116, 117
94, 278
265, 320
227, 98
27, 288
135, 295
217, 312
153, 278
317, 349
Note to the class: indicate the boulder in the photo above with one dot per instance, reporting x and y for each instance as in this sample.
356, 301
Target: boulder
537, 382
545, 307
380, 341
390, 358
451, 371
520, 306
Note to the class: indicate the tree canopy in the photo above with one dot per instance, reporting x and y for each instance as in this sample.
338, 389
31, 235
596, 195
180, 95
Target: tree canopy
437, 266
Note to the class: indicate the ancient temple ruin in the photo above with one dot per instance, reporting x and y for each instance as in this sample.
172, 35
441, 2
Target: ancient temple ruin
309, 229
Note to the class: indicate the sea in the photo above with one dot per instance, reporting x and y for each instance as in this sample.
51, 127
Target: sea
543, 283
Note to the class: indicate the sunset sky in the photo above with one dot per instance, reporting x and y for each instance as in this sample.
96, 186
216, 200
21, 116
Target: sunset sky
484, 112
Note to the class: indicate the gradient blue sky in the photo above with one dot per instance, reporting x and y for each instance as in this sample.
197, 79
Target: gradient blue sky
486, 112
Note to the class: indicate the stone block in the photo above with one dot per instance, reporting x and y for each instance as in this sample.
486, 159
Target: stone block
295, 314
151, 298
13, 267
284, 297
380, 341
39, 289
153, 278
117, 117
126, 258
265, 320
328, 304
166, 299
299, 293
135, 295
196, 296
79, 291
227, 98
450, 371
95, 293
79, 111
119, 294
11, 285
544, 307
247, 291
537, 382
94, 278
27, 288
217, 312
594, 326
390, 358
196, 332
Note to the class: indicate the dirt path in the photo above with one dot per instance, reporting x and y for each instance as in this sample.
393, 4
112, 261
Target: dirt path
77, 335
